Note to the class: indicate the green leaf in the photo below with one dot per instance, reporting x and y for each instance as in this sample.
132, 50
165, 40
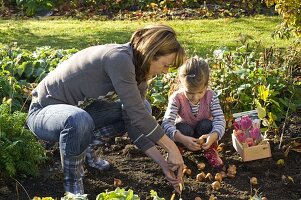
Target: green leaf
263, 92
261, 111
28, 71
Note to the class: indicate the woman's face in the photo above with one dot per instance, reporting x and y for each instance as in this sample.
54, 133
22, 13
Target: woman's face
161, 64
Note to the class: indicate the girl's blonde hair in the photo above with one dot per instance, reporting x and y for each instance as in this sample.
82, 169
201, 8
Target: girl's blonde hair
150, 43
194, 73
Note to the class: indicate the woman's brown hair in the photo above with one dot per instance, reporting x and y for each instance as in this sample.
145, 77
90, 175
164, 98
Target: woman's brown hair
150, 43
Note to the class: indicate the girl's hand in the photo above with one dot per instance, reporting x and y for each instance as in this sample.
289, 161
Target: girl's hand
191, 143
210, 139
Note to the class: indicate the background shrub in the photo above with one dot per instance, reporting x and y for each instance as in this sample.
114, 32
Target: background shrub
20, 152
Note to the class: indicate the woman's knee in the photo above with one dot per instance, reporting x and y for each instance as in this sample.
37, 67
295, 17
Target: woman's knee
80, 126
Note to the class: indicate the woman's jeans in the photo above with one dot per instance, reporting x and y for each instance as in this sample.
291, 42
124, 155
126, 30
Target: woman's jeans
74, 129
71, 126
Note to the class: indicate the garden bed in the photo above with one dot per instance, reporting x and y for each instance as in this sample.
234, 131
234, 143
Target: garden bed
277, 179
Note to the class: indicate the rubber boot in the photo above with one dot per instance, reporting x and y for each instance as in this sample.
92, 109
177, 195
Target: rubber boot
94, 161
212, 156
73, 167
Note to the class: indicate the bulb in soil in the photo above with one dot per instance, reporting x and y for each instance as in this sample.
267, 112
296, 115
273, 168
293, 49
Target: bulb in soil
216, 185
117, 182
229, 175
232, 169
209, 177
253, 181
187, 171
218, 177
224, 175
201, 176
201, 166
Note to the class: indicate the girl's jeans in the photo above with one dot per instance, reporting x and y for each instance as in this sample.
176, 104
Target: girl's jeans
202, 127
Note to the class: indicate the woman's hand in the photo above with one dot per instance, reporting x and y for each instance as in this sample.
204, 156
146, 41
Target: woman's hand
210, 139
174, 157
174, 177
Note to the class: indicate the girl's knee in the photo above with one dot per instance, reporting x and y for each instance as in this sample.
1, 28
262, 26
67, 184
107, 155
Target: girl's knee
203, 127
185, 128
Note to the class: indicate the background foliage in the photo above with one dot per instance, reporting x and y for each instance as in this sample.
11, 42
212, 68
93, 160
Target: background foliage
245, 73
111, 7
290, 10
20, 152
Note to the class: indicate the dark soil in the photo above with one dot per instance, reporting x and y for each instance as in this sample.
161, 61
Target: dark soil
141, 174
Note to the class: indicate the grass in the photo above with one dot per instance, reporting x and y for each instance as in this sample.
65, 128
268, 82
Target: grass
199, 36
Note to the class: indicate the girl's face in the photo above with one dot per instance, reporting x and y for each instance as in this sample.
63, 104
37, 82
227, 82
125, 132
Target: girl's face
195, 95
161, 64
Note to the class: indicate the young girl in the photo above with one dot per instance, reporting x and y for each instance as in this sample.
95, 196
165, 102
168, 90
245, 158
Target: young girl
194, 112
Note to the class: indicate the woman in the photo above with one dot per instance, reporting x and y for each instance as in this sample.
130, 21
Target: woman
110, 76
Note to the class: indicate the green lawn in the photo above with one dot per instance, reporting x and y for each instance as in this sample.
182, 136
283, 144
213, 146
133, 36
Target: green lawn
199, 36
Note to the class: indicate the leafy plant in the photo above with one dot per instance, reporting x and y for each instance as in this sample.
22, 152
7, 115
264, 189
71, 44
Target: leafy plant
250, 77
11, 89
70, 196
20, 69
118, 193
31, 7
43, 198
20, 152
290, 12
159, 90
154, 194
31, 66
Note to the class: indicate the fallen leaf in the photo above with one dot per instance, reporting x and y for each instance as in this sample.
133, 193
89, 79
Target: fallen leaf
280, 162
291, 179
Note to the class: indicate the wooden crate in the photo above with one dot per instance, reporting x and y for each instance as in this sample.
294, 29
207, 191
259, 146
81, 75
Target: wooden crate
259, 151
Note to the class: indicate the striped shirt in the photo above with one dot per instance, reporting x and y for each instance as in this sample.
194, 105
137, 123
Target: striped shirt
218, 121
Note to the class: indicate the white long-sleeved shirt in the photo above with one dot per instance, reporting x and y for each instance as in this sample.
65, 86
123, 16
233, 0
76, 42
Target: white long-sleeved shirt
218, 121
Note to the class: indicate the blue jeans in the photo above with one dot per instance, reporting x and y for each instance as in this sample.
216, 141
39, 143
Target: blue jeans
74, 128
71, 126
